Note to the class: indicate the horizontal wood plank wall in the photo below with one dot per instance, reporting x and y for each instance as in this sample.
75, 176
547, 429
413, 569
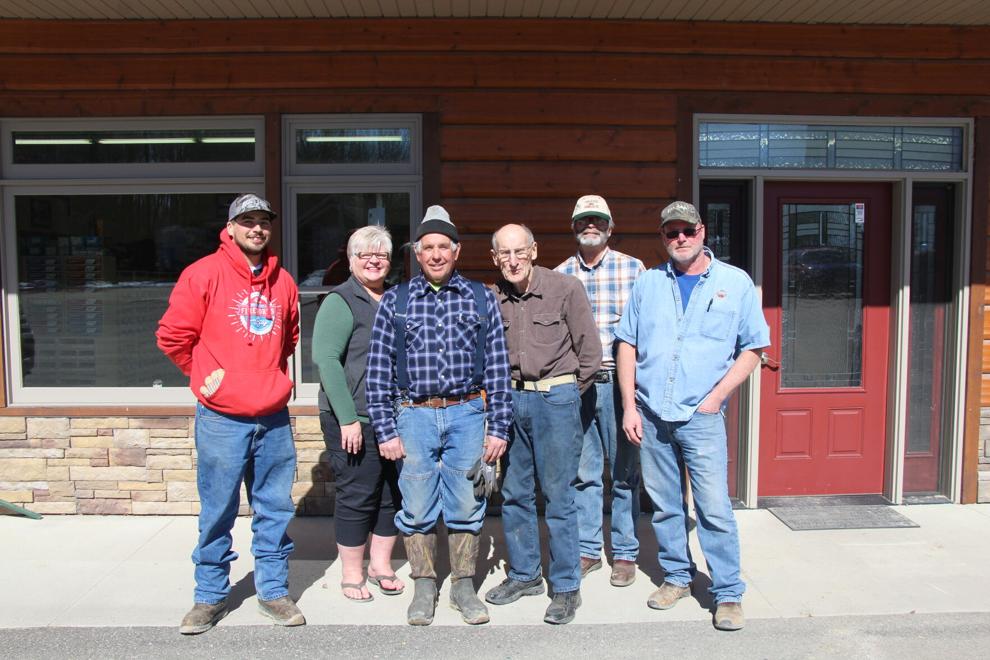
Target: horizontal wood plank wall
526, 115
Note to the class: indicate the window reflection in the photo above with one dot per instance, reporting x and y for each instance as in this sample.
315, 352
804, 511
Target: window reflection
94, 276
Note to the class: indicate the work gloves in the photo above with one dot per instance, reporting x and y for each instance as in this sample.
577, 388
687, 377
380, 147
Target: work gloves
483, 476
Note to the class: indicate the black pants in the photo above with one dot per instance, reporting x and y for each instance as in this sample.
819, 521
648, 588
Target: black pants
367, 486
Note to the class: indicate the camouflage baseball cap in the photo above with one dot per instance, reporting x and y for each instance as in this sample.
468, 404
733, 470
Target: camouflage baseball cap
249, 202
680, 211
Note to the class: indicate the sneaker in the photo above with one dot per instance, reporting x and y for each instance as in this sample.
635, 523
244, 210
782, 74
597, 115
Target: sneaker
623, 573
282, 611
202, 617
729, 616
588, 564
512, 590
563, 607
667, 596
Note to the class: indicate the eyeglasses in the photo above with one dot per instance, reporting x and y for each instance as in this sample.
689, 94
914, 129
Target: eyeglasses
521, 254
689, 232
583, 223
368, 256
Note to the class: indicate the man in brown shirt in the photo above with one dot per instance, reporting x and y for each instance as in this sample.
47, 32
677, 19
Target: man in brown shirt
554, 354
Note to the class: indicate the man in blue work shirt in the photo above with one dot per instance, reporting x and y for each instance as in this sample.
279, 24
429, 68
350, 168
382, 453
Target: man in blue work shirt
692, 332
427, 394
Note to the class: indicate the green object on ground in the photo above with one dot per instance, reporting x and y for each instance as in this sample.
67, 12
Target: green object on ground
19, 510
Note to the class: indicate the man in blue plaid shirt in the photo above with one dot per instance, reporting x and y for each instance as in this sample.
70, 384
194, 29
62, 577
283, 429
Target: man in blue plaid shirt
608, 277
437, 425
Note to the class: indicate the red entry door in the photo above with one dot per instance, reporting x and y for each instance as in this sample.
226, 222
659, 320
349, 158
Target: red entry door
826, 297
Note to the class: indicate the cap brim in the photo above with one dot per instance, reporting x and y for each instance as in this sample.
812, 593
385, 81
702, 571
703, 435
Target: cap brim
586, 214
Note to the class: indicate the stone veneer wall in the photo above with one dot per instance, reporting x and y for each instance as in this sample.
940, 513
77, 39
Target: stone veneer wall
129, 465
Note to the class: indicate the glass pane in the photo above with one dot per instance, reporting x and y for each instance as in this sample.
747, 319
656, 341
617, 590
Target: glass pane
932, 149
309, 304
932, 224
821, 296
729, 145
800, 146
320, 146
797, 147
325, 222
865, 148
718, 227
94, 276
158, 146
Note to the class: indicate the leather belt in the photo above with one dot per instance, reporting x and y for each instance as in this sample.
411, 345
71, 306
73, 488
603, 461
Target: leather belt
441, 401
605, 376
543, 385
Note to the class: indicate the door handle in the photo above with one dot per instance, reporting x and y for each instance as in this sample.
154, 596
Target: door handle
769, 362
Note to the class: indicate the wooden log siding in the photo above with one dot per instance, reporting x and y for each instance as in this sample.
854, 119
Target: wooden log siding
522, 115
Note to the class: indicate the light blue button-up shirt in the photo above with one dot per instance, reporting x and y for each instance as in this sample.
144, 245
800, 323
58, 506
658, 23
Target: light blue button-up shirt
681, 355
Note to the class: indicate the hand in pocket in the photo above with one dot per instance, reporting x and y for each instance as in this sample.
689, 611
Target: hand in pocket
212, 383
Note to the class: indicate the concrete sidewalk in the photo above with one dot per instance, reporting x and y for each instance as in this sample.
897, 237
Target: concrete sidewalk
135, 571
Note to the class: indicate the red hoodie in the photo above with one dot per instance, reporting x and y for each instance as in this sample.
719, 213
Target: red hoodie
220, 316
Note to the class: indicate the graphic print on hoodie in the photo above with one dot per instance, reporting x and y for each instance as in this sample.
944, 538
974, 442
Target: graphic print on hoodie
222, 316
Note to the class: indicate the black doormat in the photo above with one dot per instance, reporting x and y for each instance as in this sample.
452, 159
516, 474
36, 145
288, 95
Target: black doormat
802, 518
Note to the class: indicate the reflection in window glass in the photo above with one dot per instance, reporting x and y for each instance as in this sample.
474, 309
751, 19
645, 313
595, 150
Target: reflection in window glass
933, 225
319, 146
822, 296
148, 146
94, 276
325, 222
800, 146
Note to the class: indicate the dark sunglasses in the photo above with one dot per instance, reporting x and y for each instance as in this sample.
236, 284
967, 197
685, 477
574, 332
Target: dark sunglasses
689, 232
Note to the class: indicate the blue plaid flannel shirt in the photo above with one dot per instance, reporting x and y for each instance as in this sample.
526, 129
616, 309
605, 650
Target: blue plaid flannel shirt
441, 329
608, 283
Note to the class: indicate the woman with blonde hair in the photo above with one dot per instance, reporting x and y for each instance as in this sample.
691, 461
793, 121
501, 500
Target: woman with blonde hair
367, 491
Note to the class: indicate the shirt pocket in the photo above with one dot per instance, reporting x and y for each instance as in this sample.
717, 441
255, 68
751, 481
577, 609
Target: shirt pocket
415, 336
548, 328
718, 324
466, 325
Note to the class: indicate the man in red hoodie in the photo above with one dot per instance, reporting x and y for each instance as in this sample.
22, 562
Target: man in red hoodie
232, 323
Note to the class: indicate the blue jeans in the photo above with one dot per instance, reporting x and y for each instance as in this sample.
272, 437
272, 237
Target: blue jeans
601, 415
546, 443
699, 444
259, 451
442, 445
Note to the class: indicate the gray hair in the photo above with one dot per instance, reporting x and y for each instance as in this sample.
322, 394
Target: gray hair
529, 235
368, 237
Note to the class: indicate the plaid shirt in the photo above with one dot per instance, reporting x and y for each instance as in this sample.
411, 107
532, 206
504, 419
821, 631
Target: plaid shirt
441, 330
608, 284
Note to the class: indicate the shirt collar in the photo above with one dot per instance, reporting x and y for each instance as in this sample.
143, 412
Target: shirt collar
507, 290
601, 262
418, 286
708, 271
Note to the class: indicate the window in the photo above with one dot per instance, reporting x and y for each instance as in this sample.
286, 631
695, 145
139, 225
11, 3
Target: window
343, 172
833, 147
96, 238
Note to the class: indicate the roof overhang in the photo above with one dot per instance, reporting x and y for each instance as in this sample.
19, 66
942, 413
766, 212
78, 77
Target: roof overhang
838, 12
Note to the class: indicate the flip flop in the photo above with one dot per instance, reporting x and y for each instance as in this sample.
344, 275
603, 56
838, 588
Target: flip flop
377, 581
358, 586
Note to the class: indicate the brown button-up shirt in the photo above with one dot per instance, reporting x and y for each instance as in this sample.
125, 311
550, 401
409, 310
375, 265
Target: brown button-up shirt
550, 329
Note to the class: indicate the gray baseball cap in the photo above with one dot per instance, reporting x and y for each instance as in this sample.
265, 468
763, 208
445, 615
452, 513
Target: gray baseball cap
249, 202
680, 211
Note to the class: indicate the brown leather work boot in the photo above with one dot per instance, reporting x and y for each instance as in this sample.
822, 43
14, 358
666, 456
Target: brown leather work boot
667, 596
588, 564
283, 611
202, 617
623, 573
729, 616
421, 550
463, 547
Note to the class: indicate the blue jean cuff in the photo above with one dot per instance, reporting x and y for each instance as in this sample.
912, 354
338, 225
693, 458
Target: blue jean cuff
199, 601
279, 594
